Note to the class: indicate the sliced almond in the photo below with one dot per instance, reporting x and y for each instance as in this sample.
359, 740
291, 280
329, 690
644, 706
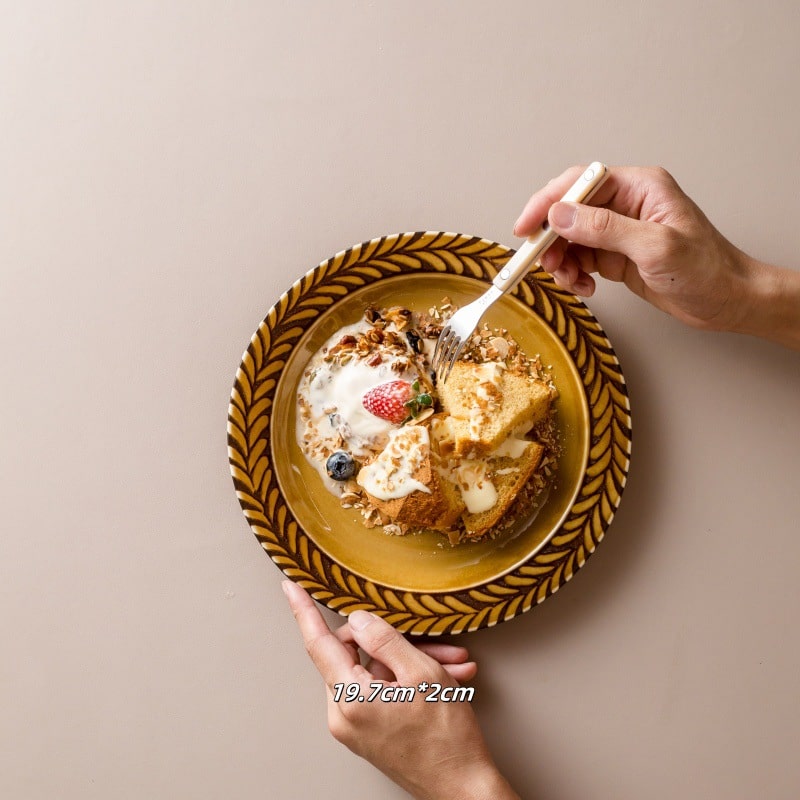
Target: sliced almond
421, 417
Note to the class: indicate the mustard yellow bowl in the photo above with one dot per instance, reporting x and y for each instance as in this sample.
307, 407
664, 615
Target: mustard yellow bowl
420, 584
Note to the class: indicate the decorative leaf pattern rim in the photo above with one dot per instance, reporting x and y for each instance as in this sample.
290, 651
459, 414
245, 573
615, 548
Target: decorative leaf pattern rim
295, 553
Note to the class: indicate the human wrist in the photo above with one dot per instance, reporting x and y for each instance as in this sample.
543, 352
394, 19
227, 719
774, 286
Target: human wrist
491, 786
482, 781
770, 303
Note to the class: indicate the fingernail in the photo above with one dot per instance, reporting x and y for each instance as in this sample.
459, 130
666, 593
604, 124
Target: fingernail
359, 620
582, 287
514, 230
562, 215
550, 261
288, 589
561, 277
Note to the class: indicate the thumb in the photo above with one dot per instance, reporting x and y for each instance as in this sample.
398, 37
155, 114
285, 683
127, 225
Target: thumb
387, 645
604, 229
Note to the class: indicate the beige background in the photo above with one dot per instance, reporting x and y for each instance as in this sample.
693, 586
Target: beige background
166, 170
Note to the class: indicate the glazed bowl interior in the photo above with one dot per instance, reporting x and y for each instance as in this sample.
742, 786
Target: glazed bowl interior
426, 562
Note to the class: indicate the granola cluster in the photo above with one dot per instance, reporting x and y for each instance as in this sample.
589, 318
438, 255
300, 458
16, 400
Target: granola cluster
497, 345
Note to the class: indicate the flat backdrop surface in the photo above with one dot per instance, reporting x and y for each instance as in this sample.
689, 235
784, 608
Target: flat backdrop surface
166, 171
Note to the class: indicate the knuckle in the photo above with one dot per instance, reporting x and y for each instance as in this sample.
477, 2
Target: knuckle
569, 174
435, 673
339, 729
384, 640
353, 713
663, 176
672, 246
428, 669
600, 220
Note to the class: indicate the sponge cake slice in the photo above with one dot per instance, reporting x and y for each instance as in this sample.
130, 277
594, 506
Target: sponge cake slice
438, 509
508, 475
486, 402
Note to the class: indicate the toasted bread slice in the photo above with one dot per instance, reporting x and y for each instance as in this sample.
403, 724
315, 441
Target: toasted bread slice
486, 402
509, 475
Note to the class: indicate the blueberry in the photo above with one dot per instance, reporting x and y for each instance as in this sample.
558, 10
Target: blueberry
340, 466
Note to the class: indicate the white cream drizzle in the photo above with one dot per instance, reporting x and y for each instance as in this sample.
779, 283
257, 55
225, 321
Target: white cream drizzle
442, 428
510, 448
477, 491
470, 475
391, 474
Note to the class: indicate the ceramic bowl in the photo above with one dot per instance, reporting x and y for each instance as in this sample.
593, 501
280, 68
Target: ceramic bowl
420, 583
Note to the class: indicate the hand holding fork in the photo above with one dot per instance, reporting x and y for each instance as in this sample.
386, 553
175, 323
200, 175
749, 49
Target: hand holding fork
462, 324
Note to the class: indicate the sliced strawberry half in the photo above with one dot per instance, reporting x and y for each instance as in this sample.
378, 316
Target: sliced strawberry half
396, 401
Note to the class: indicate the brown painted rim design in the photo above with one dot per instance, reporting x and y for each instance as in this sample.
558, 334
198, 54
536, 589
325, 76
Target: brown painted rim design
329, 582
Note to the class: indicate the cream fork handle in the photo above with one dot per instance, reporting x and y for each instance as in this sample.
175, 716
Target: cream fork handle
534, 247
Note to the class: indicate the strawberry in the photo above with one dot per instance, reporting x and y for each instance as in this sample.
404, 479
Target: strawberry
388, 400
395, 401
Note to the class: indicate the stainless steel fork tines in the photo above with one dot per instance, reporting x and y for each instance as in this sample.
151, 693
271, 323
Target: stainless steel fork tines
460, 327
456, 333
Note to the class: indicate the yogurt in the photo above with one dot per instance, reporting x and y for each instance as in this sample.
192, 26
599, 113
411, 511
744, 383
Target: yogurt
330, 411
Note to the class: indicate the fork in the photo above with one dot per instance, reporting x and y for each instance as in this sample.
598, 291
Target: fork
455, 335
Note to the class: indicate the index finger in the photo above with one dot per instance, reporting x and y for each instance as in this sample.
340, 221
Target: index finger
535, 211
620, 190
331, 658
